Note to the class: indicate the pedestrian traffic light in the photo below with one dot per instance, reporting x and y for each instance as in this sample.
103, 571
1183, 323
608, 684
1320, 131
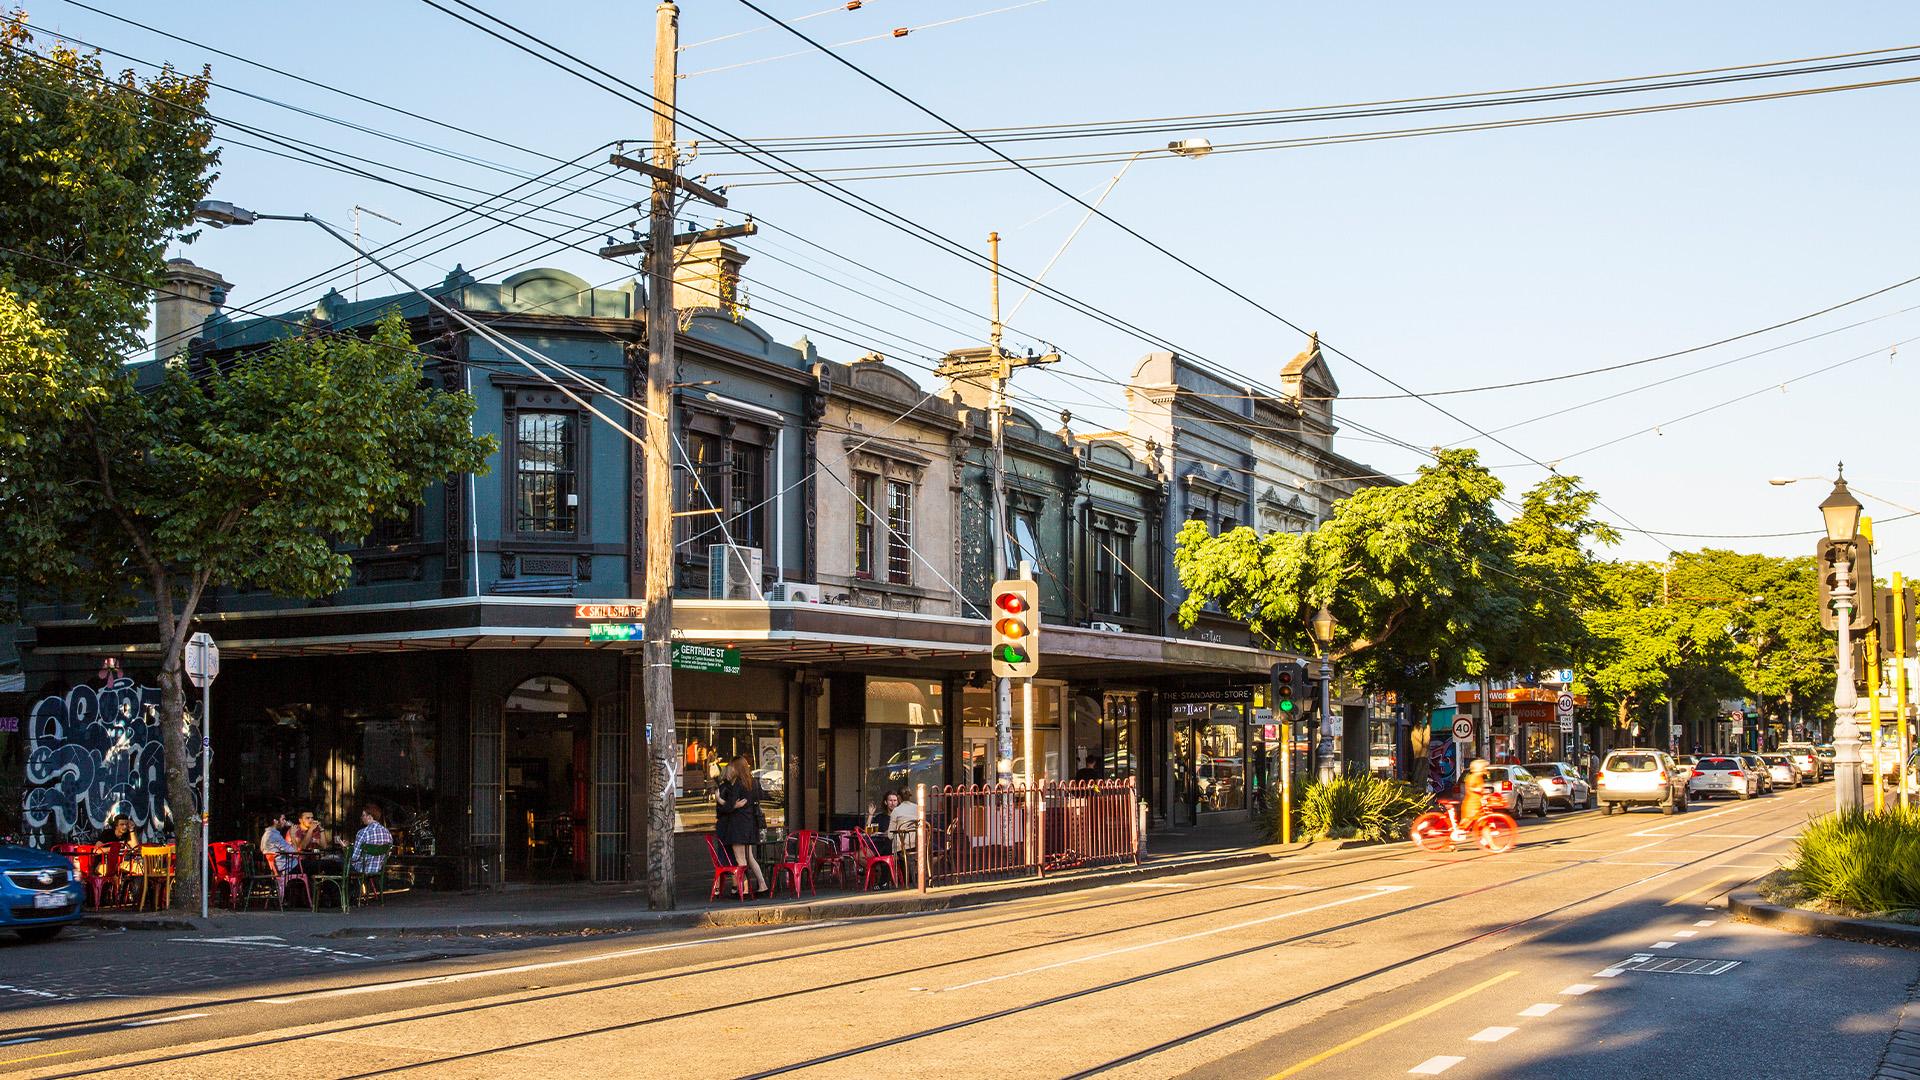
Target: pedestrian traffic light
1016, 629
1289, 690
1826, 566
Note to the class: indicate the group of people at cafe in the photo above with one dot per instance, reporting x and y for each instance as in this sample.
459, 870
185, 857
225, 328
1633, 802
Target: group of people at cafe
287, 842
890, 824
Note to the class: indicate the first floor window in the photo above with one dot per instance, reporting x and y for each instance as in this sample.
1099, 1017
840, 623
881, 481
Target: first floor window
545, 474
1112, 584
899, 532
865, 520
723, 491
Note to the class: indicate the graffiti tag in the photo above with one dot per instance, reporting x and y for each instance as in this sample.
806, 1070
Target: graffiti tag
93, 753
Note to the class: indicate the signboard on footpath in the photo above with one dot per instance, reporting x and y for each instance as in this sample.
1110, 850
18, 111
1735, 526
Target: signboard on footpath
718, 659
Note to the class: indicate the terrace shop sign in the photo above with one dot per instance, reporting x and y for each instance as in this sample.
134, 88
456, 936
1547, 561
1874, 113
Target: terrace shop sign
608, 612
721, 659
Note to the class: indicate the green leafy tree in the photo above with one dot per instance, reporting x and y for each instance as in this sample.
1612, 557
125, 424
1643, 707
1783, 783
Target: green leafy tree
1652, 644
243, 473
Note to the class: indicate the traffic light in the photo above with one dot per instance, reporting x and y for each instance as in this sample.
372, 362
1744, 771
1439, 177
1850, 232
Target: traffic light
1016, 629
1888, 619
1826, 564
1290, 691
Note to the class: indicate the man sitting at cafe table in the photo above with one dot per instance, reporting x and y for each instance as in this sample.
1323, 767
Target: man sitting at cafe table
275, 845
371, 832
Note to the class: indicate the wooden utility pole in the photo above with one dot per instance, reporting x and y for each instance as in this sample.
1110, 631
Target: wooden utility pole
1002, 688
663, 758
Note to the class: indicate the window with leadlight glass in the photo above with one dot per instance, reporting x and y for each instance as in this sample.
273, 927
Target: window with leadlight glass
865, 524
546, 473
899, 532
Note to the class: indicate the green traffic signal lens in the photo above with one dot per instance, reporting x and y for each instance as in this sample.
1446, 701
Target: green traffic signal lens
1286, 706
1012, 654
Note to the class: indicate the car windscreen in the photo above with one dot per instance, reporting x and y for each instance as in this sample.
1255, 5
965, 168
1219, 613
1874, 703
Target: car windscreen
1496, 774
1547, 770
1632, 763
1721, 764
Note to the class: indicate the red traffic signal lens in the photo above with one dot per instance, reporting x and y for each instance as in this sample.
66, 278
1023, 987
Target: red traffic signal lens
1012, 628
1012, 603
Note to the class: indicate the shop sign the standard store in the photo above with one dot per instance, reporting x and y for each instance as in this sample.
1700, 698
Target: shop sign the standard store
1212, 695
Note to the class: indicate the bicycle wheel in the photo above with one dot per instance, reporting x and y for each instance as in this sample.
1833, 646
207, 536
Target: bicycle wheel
1498, 832
1431, 832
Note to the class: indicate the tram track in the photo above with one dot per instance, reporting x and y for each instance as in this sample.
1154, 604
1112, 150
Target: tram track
1394, 853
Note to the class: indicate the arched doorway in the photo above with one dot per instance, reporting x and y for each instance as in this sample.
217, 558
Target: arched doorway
547, 754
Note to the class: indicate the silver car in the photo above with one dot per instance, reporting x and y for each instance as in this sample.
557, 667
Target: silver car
1640, 776
1562, 784
1785, 772
1727, 776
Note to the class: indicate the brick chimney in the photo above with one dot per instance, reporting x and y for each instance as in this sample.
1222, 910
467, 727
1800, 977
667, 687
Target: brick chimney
707, 275
192, 294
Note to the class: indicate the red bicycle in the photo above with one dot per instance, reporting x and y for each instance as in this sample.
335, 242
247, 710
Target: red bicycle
1437, 831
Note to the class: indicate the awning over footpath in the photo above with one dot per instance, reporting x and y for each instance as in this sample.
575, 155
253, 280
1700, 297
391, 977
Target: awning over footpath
767, 632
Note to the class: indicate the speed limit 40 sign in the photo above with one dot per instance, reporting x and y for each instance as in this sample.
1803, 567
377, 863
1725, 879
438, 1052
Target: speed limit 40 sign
1463, 728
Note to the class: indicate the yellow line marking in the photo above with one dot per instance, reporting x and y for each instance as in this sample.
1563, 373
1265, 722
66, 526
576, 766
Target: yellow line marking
37, 1057
1713, 886
1384, 1028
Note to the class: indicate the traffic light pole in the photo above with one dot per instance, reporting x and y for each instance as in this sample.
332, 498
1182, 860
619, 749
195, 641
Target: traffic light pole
1002, 687
1846, 733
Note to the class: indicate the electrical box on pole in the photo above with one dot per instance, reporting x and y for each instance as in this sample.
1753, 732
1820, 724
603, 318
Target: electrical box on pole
1016, 628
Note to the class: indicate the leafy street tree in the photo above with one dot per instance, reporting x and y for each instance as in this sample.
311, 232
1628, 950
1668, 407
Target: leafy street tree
1651, 644
1427, 582
123, 488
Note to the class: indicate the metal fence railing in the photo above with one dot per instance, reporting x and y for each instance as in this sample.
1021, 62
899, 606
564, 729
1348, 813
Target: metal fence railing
985, 833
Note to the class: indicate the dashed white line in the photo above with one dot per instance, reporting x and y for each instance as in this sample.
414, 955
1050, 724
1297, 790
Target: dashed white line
1492, 1034
1686, 933
1606, 973
1705, 922
164, 1020
1664, 944
1541, 1009
28, 1039
1436, 1065
1579, 988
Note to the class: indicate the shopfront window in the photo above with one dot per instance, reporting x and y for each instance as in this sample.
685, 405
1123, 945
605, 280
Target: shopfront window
1103, 732
904, 745
1211, 744
708, 740
977, 747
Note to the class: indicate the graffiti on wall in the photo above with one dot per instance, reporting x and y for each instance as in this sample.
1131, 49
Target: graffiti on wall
93, 753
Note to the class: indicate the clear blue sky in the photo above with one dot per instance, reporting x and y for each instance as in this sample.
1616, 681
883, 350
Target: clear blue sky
1444, 261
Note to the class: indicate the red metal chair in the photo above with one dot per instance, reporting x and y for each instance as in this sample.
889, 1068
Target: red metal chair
798, 863
724, 868
832, 854
871, 858
107, 877
223, 862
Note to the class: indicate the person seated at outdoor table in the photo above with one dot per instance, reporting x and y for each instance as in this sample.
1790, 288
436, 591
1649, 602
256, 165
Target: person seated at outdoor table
120, 831
275, 845
306, 834
902, 814
371, 832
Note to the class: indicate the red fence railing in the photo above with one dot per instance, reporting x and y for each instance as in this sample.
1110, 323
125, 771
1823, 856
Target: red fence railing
988, 832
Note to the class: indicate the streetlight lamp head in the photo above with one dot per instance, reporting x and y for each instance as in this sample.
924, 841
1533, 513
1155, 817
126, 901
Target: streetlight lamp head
1782, 481
1842, 513
1323, 627
221, 214
1191, 148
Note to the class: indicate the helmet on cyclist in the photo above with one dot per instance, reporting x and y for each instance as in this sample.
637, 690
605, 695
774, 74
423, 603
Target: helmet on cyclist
1478, 764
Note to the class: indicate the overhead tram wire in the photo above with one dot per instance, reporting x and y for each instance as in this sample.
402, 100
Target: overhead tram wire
884, 140
1112, 157
1217, 282
897, 32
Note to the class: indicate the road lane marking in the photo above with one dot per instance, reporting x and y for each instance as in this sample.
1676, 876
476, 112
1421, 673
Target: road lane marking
1664, 944
1710, 887
1686, 933
37, 1057
1436, 1065
1492, 1034
1373, 892
1418, 1014
487, 973
164, 1020
1607, 973
28, 1039
1579, 988
1706, 922
1541, 1009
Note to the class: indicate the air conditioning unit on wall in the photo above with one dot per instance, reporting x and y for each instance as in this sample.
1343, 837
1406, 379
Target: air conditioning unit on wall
733, 573
794, 592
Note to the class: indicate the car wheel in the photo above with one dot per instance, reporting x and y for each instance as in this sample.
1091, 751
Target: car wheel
1741, 795
1669, 807
34, 934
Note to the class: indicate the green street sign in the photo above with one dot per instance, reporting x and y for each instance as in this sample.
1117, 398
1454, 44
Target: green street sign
720, 659
613, 631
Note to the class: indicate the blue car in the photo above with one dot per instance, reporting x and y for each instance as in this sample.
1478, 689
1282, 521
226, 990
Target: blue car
39, 894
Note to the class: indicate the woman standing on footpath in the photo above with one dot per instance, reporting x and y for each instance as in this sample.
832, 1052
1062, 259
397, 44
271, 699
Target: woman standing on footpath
739, 823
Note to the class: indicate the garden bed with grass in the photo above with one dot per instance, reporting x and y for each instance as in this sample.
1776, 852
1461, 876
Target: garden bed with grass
1356, 809
1861, 868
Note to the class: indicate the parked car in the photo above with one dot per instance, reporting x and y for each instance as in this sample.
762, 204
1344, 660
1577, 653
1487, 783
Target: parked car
1380, 761
1640, 777
1758, 766
1808, 758
39, 893
920, 763
1785, 773
1727, 775
1517, 790
1823, 756
1562, 784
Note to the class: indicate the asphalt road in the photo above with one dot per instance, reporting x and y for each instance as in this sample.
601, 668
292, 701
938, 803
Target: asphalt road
1591, 950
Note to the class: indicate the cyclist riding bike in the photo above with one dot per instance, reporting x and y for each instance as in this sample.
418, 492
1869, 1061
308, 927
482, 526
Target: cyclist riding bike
1475, 818
1473, 792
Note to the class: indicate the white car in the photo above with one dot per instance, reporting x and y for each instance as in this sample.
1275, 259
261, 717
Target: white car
1783, 770
1562, 784
1640, 776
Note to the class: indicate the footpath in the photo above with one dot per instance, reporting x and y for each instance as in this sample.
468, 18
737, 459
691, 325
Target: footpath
606, 909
